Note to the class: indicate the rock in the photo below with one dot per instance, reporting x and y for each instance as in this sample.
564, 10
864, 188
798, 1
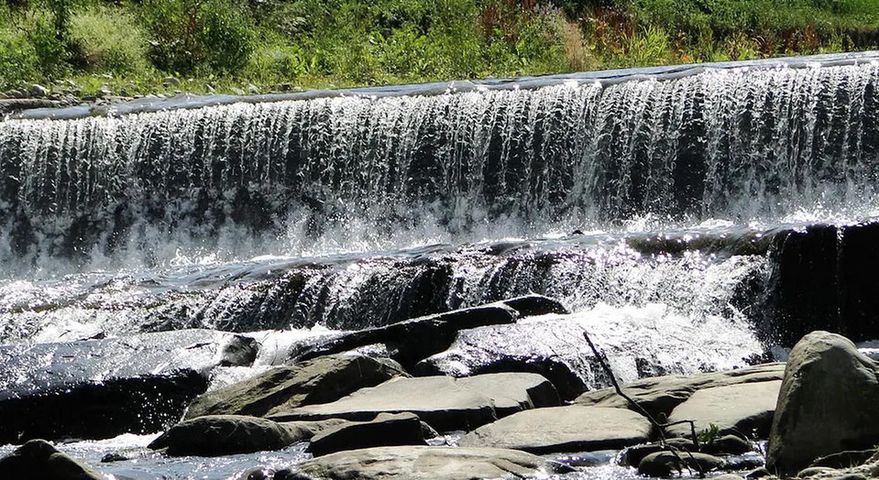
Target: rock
39, 460
104, 387
423, 463
305, 431
729, 445
845, 459
727, 476
38, 91
570, 428
826, 404
813, 471
321, 380
745, 409
216, 435
530, 305
660, 395
239, 351
384, 431
171, 82
415, 339
445, 403
663, 464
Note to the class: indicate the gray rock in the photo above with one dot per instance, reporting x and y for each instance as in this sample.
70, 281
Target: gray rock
427, 463
562, 429
827, 403
745, 408
104, 387
814, 471
385, 430
848, 458
305, 431
445, 403
663, 464
727, 476
38, 91
217, 435
39, 460
171, 82
239, 351
729, 445
279, 389
660, 395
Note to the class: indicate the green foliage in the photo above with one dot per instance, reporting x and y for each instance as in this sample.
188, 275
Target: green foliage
193, 35
709, 435
107, 41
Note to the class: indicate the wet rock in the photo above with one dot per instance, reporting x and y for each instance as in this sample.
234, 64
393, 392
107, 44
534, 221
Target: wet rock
530, 305
436, 463
305, 431
745, 409
105, 387
321, 380
660, 395
663, 464
727, 444
445, 403
826, 404
562, 429
38, 91
814, 471
385, 430
845, 459
39, 460
727, 476
239, 351
416, 339
217, 435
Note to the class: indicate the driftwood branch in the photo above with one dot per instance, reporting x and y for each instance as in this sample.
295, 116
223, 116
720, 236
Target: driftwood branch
660, 427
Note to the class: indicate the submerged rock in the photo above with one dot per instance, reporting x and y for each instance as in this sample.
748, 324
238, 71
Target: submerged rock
744, 409
660, 395
827, 403
415, 339
562, 429
663, 464
217, 435
104, 387
423, 463
384, 431
445, 403
321, 380
39, 460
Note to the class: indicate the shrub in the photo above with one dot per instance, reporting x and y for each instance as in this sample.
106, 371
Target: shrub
107, 41
18, 60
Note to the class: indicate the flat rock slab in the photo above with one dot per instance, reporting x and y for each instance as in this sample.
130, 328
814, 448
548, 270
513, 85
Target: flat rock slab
745, 408
660, 395
563, 429
102, 388
428, 463
386, 430
321, 380
216, 435
445, 403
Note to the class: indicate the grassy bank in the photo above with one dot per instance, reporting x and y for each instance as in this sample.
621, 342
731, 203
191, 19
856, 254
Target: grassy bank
132, 47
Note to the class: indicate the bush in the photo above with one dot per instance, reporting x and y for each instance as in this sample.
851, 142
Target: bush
107, 41
192, 35
18, 60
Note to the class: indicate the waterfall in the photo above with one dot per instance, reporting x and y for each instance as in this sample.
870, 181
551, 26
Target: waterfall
365, 173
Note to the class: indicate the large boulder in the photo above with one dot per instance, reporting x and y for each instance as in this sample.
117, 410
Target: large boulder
563, 429
385, 430
827, 403
217, 435
104, 387
744, 409
321, 380
445, 403
660, 395
39, 460
427, 463
415, 339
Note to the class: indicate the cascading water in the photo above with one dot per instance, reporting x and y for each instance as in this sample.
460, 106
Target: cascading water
344, 212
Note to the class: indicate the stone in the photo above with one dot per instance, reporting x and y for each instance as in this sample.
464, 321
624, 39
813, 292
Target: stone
660, 395
445, 403
415, 339
305, 431
102, 388
39, 91
171, 82
744, 409
39, 460
728, 445
570, 428
663, 464
384, 431
217, 435
826, 403
321, 380
239, 351
534, 304
813, 471
845, 459
727, 476
427, 463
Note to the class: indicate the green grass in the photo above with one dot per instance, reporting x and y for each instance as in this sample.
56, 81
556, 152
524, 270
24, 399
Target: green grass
130, 47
